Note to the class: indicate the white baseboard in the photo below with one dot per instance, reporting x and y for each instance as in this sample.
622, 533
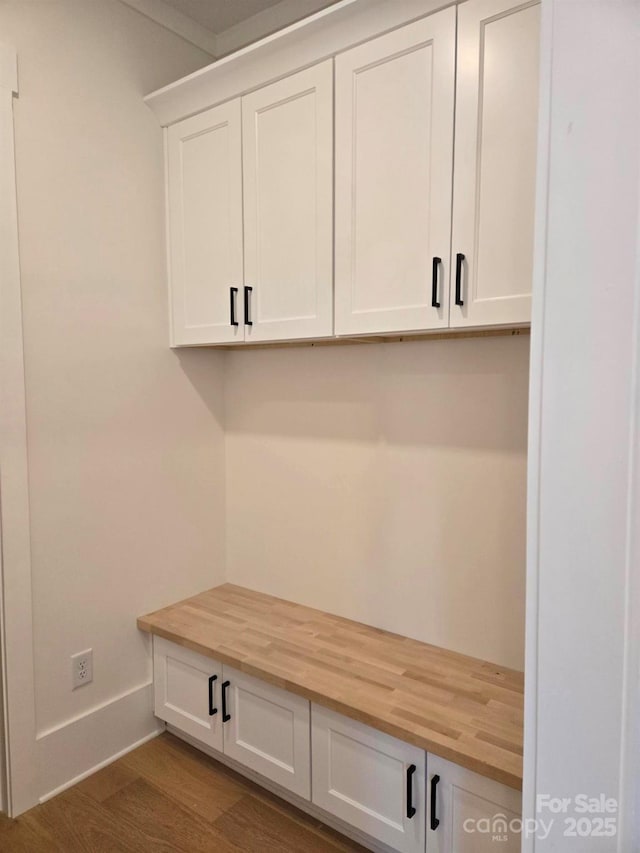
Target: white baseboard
69, 753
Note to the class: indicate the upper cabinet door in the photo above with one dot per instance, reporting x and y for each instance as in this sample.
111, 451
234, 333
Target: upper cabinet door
205, 226
394, 148
288, 207
495, 162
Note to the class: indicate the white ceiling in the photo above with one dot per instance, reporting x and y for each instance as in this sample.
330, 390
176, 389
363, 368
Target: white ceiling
219, 15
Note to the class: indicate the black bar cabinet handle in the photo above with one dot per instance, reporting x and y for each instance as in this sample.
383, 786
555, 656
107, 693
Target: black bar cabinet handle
212, 709
225, 717
247, 319
410, 807
435, 823
459, 262
434, 283
232, 305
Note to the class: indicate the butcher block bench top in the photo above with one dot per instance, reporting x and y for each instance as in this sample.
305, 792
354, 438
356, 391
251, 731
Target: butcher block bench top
460, 708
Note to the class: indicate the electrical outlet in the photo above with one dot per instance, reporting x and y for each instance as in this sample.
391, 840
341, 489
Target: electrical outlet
82, 668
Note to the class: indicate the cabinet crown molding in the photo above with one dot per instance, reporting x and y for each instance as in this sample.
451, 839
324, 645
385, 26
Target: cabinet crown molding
318, 37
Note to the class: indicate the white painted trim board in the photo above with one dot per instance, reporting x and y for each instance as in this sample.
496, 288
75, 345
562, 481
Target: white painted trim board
17, 630
70, 752
583, 624
535, 404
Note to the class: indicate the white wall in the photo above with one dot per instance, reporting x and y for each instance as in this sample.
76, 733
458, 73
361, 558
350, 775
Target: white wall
385, 483
124, 437
583, 628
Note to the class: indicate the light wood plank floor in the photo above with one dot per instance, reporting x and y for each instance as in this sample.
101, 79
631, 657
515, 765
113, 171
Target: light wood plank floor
166, 797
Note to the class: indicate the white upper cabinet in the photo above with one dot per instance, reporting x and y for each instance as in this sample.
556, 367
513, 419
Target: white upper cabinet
265, 274
394, 147
205, 225
288, 206
495, 162
431, 213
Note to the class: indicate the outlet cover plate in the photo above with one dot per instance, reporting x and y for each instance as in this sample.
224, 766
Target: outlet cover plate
82, 668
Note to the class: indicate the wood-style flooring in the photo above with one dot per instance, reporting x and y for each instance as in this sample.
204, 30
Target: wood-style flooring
167, 797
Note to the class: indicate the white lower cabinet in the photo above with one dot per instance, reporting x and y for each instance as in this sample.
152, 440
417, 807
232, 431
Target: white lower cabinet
468, 813
256, 724
268, 731
187, 691
392, 792
369, 780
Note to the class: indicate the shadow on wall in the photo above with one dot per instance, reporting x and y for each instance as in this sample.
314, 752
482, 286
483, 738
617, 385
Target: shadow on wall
204, 368
470, 393
385, 483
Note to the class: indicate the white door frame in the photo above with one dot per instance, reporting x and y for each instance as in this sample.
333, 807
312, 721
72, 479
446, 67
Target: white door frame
582, 698
16, 620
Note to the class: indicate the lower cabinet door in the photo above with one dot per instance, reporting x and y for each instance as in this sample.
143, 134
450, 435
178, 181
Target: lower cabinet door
187, 691
267, 730
467, 813
369, 780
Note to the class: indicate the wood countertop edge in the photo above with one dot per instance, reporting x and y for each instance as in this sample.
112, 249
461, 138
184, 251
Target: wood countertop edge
461, 757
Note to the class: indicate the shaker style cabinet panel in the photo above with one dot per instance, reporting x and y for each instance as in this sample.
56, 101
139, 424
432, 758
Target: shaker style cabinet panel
430, 205
187, 691
260, 726
369, 780
495, 162
288, 206
268, 731
204, 166
394, 151
392, 791
467, 813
